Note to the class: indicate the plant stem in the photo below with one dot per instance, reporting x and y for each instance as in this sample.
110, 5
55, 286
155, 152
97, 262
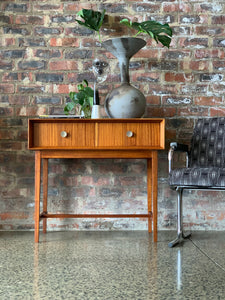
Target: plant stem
137, 34
99, 37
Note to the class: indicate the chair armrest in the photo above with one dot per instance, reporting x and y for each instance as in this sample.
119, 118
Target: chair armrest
177, 147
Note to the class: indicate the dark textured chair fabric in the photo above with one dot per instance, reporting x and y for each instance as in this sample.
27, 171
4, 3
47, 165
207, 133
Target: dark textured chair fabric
205, 169
206, 166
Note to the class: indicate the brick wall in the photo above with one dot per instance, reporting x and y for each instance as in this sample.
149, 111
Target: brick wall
45, 53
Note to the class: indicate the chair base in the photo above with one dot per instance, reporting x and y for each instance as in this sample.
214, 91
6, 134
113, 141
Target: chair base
179, 240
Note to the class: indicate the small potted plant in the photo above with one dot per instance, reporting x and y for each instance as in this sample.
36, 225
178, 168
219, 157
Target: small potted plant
80, 102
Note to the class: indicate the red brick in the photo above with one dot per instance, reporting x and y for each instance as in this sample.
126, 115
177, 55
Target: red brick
13, 215
92, 192
6, 88
146, 77
159, 89
15, 8
47, 53
63, 65
178, 54
209, 30
179, 77
175, 7
147, 53
56, 168
218, 65
16, 76
102, 181
153, 100
72, 77
91, 42
6, 19
194, 42
6, 134
138, 168
6, 65
130, 180
219, 20
87, 180
192, 111
31, 111
37, 20
217, 112
75, 7
11, 146
81, 192
63, 88
195, 65
48, 7
194, 18
208, 7
64, 42
5, 42
218, 88
208, 53
171, 134
208, 101
31, 89
161, 112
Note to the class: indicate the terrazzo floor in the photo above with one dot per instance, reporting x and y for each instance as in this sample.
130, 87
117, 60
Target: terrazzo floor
110, 266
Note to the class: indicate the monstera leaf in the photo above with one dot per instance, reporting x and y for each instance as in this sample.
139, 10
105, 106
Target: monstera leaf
159, 32
92, 19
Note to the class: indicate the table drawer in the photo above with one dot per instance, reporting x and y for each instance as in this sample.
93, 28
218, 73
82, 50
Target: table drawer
63, 135
130, 135
106, 134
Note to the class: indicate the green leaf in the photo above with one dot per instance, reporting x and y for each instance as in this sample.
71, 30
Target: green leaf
89, 91
80, 97
90, 100
126, 22
92, 19
85, 82
69, 106
80, 87
72, 95
165, 40
159, 32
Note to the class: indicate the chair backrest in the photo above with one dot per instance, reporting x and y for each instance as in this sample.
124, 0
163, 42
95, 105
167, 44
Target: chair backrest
208, 143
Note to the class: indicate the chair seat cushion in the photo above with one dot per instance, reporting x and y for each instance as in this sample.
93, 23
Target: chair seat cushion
200, 177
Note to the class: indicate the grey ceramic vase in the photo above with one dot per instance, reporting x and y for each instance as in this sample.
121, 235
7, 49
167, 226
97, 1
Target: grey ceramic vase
124, 101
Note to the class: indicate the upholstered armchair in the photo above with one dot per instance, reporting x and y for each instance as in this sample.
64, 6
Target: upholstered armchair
205, 165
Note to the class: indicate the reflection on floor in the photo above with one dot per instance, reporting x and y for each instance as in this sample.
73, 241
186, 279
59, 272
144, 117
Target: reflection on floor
111, 265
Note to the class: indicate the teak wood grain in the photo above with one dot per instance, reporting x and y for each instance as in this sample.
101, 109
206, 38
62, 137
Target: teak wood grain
92, 134
100, 138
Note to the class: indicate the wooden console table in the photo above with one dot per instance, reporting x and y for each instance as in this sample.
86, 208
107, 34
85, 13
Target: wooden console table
95, 138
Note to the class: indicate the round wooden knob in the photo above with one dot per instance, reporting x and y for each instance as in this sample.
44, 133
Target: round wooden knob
129, 134
64, 134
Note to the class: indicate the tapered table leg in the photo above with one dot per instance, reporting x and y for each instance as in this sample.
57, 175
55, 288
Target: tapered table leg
155, 192
45, 191
149, 192
37, 195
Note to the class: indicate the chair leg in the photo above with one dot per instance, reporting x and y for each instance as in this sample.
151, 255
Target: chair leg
180, 234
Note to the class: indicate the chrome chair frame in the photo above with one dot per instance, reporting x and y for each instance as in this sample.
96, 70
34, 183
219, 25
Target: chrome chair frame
181, 236
180, 233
